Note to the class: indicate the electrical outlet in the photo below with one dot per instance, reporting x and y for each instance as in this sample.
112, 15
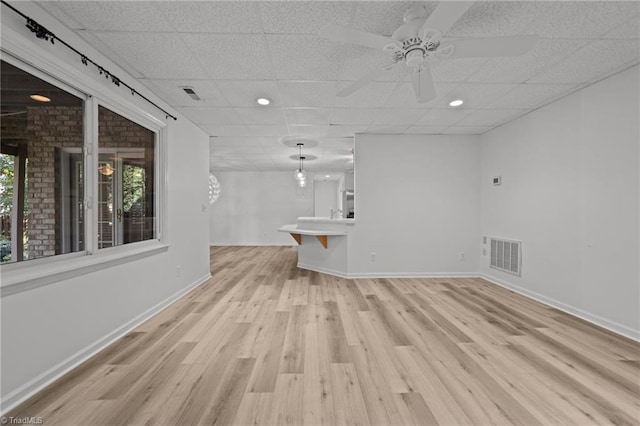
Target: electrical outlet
484, 252
373, 256
484, 240
178, 272
461, 255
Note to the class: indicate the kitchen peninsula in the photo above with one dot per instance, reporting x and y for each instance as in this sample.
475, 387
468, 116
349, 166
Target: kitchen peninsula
322, 243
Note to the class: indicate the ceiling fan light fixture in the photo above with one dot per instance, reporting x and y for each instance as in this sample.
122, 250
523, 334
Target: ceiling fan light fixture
456, 103
414, 57
263, 101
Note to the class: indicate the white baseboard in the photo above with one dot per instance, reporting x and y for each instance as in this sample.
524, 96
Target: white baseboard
356, 275
413, 275
612, 326
323, 270
17, 396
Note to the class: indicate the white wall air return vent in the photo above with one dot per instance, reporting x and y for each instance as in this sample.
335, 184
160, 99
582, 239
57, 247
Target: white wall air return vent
506, 255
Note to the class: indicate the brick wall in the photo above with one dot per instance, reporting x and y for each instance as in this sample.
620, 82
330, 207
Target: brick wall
49, 129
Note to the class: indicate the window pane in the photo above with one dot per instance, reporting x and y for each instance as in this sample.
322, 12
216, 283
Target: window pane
41, 168
126, 193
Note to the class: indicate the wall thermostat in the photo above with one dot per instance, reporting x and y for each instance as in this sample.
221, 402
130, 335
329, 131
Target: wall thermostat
497, 180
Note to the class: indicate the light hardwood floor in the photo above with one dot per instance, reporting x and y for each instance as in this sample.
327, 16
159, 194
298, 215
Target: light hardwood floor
266, 343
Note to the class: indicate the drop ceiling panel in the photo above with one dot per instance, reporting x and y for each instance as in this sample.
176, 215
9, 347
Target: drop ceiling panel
245, 130
307, 93
233, 141
390, 130
455, 70
403, 96
442, 117
613, 55
260, 115
221, 58
303, 17
308, 116
489, 117
353, 116
519, 69
475, 95
372, 95
627, 29
560, 19
113, 15
305, 57
212, 16
172, 92
531, 95
147, 53
384, 17
308, 131
245, 92
210, 115
397, 116
345, 131
494, 18
362, 60
242, 151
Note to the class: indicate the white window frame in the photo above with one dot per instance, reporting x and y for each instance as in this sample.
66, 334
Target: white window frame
22, 276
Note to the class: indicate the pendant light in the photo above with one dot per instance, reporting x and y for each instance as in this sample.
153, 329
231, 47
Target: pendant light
300, 175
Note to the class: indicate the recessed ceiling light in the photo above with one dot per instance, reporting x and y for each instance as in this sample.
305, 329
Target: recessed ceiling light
456, 103
263, 101
327, 176
40, 98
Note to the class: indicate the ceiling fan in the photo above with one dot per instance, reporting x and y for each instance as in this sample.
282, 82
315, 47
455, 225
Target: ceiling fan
419, 41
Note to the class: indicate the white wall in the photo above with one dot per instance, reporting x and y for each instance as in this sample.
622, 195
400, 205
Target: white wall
326, 193
417, 205
570, 192
253, 205
49, 329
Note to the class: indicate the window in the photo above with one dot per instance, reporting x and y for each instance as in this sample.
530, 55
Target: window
42, 170
63, 191
126, 195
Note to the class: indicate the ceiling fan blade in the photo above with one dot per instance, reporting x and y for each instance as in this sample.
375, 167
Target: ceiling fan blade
350, 35
495, 46
364, 80
423, 84
445, 15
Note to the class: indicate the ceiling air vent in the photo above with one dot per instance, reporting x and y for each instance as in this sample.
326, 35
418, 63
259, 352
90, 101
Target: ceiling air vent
192, 93
506, 255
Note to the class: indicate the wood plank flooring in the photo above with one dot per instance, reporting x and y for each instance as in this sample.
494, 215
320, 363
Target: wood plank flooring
265, 343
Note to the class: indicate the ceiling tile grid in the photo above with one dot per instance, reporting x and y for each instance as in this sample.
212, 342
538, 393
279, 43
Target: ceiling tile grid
303, 17
212, 16
232, 52
612, 55
232, 56
147, 53
304, 57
